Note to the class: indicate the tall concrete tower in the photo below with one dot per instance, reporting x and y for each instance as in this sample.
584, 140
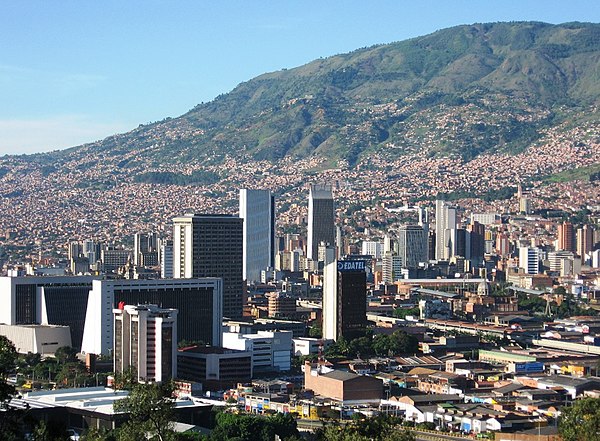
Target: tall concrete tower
445, 230
321, 219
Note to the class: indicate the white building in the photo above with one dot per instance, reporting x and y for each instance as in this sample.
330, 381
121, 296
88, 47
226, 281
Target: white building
257, 208
271, 351
166, 260
486, 218
38, 339
146, 341
309, 346
445, 229
372, 248
529, 259
199, 301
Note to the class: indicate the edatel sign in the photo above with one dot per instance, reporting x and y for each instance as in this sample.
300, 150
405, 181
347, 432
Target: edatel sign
351, 265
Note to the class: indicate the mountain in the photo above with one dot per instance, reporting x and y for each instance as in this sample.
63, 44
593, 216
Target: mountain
458, 92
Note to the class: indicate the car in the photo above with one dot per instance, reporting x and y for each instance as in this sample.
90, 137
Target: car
73, 434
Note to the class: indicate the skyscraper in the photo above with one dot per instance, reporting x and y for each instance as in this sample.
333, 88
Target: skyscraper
211, 246
412, 245
476, 233
321, 219
566, 237
257, 208
344, 297
146, 341
529, 260
585, 241
445, 229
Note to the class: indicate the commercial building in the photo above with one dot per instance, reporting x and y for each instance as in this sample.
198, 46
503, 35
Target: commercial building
146, 341
412, 245
51, 300
271, 351
566, 237
344, 297
198, 300
344, 387
257, 208
321, 219
529, 260
166, 260
215, 368
211, 246
445, 228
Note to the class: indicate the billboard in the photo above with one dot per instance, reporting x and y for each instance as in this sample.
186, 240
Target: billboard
350, 265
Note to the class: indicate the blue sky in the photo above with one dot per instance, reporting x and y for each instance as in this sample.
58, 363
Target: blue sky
77, 71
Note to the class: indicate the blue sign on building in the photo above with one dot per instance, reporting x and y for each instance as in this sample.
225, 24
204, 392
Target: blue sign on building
351, 265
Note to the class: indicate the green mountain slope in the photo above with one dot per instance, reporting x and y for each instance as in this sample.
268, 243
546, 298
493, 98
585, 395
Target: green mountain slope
458, 92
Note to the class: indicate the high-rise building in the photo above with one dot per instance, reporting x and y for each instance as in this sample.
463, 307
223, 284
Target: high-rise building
344, 297
391, 268
476, 232
502, 243
145, 246
211, 246
412, 245
566, 237
372, 248
197, 300
166, 259
91, 250
146, 341
585, 241
321, 219
445, 229
529, 259
257, 208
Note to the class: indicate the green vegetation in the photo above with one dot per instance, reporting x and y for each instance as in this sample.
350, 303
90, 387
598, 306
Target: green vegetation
254, 428
590, 173
403, 312
459, 92
399, 342
380, 428
581, 421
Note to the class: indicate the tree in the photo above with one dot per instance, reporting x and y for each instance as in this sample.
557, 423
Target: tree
8, 359
65, 354
10, 420
581, 421
150, 409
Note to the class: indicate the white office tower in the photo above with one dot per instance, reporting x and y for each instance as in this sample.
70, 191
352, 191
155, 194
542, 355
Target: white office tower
330, 308
391, 268
146, 341
257, 208
412, 245
166, 260
445, 228
529, 259
321, 219
372, 248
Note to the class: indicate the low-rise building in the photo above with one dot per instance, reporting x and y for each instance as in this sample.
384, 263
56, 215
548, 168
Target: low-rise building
271, 351
343, 387
215, 368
